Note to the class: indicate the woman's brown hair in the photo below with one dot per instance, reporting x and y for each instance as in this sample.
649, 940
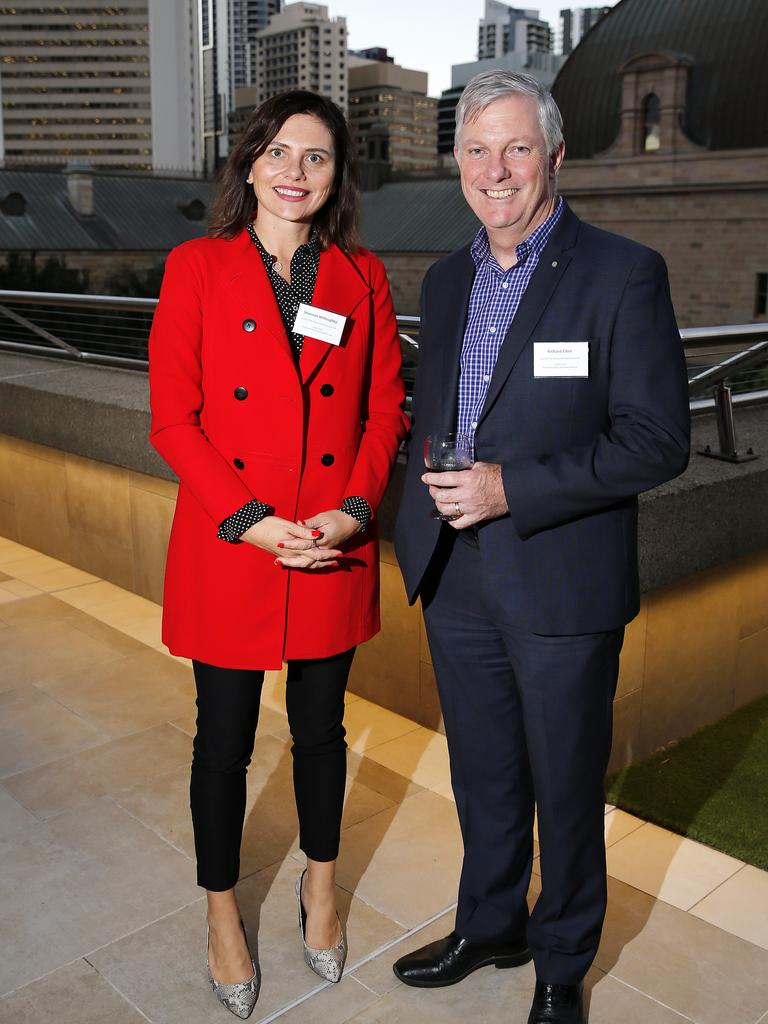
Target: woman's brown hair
234, 204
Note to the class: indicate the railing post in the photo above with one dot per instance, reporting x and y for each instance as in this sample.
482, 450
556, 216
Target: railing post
726, 429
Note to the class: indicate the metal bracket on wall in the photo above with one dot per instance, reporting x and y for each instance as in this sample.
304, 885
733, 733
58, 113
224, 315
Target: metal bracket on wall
726, 429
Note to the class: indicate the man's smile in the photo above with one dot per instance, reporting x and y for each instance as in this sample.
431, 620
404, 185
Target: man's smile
499, 193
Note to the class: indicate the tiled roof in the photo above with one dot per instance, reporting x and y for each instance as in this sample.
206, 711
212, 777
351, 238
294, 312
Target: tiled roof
143, 212
130, 212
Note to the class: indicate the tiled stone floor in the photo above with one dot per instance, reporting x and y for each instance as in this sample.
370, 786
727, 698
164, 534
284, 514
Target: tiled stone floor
100, 918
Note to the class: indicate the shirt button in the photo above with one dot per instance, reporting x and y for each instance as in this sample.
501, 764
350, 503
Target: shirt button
474, 425
486, 378
240, 393
505, 284
326, 390
492, 330
249, 325
327, 459
239, 464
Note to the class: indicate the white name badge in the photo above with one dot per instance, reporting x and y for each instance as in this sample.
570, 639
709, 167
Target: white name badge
561, 359
322, 324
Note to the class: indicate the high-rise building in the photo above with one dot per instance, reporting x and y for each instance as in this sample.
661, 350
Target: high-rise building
574, 22
246, 19
145, 84
504, 29
302, 48
110, 85
391, 118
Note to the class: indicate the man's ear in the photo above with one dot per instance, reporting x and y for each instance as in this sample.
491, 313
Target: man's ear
556, 160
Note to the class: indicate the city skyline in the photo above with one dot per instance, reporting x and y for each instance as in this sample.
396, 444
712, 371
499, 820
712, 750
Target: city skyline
420, 36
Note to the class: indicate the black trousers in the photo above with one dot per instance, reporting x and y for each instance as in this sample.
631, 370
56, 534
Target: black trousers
528, 720
227, 715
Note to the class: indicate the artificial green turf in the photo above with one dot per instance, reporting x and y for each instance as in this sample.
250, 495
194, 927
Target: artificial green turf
712, 786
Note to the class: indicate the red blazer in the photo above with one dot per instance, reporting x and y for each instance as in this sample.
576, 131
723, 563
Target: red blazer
235, 420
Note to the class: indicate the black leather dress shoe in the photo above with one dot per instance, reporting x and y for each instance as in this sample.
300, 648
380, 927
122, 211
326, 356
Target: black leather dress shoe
557, 1004
451, 959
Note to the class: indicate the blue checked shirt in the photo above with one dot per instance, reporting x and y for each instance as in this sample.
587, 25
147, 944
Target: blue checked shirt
495, 298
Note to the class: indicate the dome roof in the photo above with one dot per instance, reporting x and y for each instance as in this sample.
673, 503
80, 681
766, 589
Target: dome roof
726, 42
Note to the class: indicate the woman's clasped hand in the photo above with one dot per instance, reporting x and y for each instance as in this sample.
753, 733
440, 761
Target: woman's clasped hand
310, 544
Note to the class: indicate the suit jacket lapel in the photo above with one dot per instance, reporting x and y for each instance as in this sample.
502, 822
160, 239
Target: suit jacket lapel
448, 322
551, 266
340, 288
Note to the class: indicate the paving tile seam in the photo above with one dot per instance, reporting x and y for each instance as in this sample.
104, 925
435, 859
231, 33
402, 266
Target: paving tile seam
393, 739
741, 866
718, 886
349, 971
369, 989
115, 799
40, 687
38, 820
47, 764
122, 995
42, 977
631, 832
653, 999
127, 935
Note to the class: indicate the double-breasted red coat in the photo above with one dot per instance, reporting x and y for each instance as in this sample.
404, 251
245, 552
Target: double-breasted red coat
236, 419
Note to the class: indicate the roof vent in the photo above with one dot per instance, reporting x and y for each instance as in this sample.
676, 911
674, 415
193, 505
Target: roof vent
14, 205
193, 210
80, 188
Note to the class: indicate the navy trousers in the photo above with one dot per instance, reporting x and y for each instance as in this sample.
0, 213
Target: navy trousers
528, 720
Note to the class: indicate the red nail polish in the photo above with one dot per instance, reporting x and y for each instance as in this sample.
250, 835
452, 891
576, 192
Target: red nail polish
316, 533
280, 544
278, 562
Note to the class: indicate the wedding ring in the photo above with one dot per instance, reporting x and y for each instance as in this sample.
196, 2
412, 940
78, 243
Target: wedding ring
457, 506
314, 541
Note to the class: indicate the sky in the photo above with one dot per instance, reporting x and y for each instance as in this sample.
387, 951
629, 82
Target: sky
428, 35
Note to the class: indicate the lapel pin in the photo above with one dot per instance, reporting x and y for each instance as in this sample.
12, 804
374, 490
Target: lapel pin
554, 263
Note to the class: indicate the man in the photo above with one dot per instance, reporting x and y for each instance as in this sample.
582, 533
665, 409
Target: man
554, 345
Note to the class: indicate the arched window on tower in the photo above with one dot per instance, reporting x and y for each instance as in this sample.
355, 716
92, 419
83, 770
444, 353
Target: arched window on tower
651, 139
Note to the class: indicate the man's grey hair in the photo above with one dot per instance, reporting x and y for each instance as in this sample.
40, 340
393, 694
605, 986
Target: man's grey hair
488, 86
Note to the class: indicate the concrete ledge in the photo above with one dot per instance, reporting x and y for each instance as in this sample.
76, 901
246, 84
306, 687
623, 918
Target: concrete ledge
711, 515
93, 411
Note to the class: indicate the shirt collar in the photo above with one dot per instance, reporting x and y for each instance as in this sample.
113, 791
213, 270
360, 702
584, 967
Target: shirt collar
532, 245
310, 250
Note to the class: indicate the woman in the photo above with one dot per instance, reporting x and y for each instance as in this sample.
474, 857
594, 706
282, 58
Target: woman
283, 444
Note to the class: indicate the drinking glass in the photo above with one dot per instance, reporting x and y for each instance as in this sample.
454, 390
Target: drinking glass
444, 453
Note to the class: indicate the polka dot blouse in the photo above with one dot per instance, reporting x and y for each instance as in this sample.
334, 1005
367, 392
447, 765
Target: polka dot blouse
304, 265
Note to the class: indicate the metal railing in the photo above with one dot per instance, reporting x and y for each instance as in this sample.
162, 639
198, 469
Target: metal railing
727, 365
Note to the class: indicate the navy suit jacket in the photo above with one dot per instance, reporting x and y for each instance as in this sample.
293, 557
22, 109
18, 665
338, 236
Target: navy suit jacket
575, 452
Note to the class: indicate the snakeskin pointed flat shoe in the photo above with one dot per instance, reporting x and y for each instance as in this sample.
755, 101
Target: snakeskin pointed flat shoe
326, 963
239, 997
